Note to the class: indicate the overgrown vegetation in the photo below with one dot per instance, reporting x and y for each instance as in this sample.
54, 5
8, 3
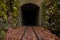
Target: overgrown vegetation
9, 11
51, 15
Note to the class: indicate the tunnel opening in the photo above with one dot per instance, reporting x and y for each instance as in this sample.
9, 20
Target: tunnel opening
30, 14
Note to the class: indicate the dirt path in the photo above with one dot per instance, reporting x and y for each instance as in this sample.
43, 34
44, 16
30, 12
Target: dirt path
30, 33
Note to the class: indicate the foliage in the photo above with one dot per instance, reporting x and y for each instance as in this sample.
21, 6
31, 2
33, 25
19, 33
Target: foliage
51, 15
6, 7
2, 34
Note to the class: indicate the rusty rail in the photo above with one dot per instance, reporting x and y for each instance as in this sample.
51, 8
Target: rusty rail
35, 33
23, 33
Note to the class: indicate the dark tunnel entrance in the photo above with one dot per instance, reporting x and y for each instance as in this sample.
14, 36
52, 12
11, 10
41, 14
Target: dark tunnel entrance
29, 14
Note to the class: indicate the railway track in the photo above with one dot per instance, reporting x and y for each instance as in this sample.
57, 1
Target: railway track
29, 33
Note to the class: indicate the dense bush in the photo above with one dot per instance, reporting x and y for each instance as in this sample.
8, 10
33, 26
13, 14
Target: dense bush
9, 10
51, 15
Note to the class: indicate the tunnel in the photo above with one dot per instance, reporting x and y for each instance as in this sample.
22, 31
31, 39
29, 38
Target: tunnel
30, 14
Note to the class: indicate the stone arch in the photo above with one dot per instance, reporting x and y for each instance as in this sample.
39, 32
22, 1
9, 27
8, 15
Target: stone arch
36, 2
29, 13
